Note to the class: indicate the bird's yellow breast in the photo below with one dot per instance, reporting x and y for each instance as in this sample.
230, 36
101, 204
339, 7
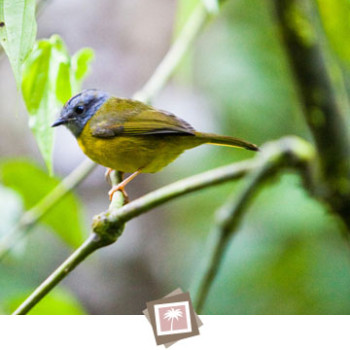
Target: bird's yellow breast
130, 153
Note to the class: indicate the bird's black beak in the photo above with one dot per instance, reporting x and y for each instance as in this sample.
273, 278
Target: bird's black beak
59, 121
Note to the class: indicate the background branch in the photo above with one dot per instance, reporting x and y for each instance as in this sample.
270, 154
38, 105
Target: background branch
317, 95
165, 69
288, 152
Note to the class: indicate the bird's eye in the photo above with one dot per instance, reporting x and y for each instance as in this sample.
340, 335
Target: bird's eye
79, 109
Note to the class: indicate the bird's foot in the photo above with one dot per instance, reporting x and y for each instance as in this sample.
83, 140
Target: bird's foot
120, 188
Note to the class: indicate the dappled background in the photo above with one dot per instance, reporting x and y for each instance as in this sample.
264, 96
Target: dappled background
288, 257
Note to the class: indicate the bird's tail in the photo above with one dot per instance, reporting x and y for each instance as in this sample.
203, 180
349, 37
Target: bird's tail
229, 141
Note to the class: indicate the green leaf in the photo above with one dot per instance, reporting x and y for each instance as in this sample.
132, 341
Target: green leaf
33, 183
39, 99
50, 77
81, 63
59, 302
63, 90
17, 32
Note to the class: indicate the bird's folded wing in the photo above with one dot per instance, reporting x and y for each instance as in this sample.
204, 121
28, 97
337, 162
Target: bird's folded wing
137, 123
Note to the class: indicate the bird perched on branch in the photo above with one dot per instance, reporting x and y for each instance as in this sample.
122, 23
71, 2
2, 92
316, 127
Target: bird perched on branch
130, 136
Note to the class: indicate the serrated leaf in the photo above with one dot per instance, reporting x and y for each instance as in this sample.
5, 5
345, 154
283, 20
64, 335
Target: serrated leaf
33, 183
17, 32
58, 302
49, 79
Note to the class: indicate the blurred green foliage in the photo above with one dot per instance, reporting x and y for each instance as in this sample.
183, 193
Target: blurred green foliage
33, 183
335, 17
22, 185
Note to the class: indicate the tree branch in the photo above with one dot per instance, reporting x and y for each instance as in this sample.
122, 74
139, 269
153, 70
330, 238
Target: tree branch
289, 152
111, 220
109, 225
93, 243
317, 95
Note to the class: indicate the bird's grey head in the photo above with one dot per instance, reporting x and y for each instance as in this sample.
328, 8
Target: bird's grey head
80, 108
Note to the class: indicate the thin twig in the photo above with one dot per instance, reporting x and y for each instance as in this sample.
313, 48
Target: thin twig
290, 152
164, 70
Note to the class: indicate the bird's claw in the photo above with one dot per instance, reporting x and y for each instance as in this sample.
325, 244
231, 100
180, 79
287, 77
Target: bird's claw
116, 188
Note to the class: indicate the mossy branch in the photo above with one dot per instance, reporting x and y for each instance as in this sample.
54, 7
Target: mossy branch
319, 101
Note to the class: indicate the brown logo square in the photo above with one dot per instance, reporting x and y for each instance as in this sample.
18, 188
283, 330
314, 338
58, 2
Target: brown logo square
172, 318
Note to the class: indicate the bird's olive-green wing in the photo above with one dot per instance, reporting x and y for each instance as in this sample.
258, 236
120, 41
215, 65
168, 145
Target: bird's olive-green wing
119, 117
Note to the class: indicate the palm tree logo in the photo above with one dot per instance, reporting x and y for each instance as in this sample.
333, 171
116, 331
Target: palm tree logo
171, 315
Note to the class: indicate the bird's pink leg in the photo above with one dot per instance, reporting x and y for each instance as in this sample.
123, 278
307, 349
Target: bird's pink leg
120, 187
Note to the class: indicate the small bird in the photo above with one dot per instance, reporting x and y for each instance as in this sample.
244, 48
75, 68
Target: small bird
131, 137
